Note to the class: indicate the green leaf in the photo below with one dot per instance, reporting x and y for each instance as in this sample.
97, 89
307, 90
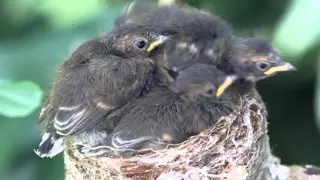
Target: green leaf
18, 99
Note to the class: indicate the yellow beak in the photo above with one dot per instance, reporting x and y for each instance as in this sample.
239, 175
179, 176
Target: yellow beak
227, 82
285, 67
160, 40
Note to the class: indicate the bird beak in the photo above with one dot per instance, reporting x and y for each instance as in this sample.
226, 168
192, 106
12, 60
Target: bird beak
226, 83
284, 67
157, 41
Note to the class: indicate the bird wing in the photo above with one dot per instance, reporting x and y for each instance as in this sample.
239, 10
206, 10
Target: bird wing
74, 120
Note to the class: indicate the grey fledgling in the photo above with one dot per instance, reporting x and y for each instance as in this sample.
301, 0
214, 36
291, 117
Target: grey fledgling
201, 61
169, 115
200, 37
103, 74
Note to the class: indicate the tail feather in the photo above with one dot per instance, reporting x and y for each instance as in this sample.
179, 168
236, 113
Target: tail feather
51, 145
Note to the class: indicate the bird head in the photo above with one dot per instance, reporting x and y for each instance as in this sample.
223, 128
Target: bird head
116, 62
201, 80
256, 59
133, 40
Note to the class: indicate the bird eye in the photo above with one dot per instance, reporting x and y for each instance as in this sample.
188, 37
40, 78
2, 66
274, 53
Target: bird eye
86, 61
262, 66
140, 44
209, 92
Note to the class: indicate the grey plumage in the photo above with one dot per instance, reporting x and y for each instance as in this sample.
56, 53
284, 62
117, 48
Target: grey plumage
196, 65
103, 74
200, 37
170, 115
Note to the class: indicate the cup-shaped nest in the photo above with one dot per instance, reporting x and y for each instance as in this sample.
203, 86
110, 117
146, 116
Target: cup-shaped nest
236, 147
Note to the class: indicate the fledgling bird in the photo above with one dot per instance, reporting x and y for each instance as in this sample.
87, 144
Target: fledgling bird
256, 59
200, 37
170, 115
251, 59
103, 74
188, 28
199, 44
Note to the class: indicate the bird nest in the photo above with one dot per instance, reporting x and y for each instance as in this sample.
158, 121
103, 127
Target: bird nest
236, 147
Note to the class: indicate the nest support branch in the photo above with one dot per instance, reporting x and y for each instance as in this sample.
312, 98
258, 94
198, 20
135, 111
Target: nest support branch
236, 147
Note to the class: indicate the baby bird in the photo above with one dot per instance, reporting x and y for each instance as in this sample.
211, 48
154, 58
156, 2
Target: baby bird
170, 115
102, 75
198, 65
200, 37
251, 59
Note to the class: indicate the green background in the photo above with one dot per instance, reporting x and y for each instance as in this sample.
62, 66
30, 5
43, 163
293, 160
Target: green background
37, 35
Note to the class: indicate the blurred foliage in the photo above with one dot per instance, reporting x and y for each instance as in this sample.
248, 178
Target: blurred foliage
300, 28
18, 99
36, 36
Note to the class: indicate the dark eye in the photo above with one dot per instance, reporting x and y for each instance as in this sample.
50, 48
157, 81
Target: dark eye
262, 66
140, 44
209, 92
86, 61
